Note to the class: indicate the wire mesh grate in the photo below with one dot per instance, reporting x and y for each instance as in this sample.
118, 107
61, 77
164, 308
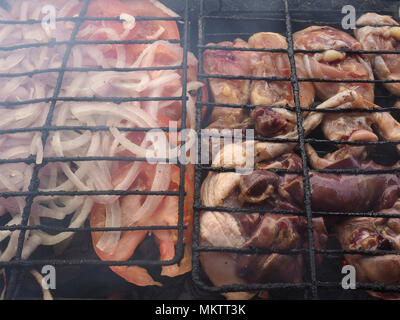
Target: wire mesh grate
242, 21
18, 267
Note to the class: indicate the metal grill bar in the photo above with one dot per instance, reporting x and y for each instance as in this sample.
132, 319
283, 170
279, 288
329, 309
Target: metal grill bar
306, 176
76, 42
303, 109
32, 73
86, 18
295, 251
179, 247
196, 268
299, 213
31, 160
17, 264
217, 76
83, 229
225, 48
117, 100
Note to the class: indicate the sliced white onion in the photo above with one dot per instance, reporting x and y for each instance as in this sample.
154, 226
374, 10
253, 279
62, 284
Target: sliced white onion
77, 221
129, 145
11, 249
113, 220
129, 21
156, 34
164, 8
11, 61
14, 221
5, 32
160, 183
162, 80
69, 5
39, 278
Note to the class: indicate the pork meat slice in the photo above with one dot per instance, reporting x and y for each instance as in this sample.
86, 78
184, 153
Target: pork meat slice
358, 127
239, 230
276, 64
370, 234
228, 91
270, 122
385, 38
334, 64
346, 192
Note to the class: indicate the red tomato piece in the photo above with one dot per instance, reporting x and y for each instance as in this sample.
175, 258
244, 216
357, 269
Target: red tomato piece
166, 214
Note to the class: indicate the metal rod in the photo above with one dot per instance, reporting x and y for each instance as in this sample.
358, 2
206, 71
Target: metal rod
306, 176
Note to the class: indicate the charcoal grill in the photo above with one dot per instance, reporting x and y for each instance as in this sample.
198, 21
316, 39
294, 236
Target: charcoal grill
17, 268
80, 274
226, 20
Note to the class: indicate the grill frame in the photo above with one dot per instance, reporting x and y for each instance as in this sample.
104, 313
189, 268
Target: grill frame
312, 286
17, 267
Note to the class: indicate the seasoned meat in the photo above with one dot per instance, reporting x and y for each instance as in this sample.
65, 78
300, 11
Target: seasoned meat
271, 122
386, 125
386, 38
346, 192
365, 233
332, 64
258, 189
227, 91
354, 128
276, 64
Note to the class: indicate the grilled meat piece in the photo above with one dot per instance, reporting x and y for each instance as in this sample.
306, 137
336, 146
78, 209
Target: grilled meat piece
280, 233
347, 192
221, 229
332, 64
345, 152
265, 189
270, 231
363, 193
271, 122
386, 125
385, 38
276, 64
228, 91
262, 93
329, 192
370, 234
274, 232
355, 127
358, 127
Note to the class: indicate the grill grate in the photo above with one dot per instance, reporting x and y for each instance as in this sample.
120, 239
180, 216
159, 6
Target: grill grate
280, 17
231, 20
18, 267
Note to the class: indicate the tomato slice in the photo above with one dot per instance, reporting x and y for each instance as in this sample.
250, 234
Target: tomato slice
143, 30
165, 214
109, 9
147, 9
151, 29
